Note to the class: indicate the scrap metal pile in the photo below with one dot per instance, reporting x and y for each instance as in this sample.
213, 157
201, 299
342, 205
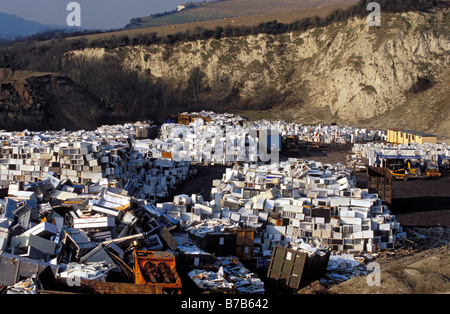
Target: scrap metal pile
106, 154
208, 137
87, 228
87, 205
314, 202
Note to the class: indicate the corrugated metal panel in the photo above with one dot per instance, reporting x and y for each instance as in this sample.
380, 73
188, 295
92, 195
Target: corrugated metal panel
14, 268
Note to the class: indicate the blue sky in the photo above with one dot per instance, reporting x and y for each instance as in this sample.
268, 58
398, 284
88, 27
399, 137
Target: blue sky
102, 14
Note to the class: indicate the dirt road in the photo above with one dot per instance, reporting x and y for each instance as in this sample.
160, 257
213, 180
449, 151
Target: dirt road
201, 184
425, 272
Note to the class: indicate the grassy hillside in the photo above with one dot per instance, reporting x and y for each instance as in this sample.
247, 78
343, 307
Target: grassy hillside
177, 25
205, 11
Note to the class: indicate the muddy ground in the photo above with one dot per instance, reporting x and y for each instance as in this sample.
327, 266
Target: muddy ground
422, 207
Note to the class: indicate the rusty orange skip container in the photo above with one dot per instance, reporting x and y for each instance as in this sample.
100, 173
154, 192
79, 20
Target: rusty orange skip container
143, 257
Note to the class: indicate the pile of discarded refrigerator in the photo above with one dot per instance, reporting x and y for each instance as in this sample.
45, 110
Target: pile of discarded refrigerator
90, 232
298, 205
314, 202
82, 211
327, 134
213, 138
107, 153
80, 197
101, 240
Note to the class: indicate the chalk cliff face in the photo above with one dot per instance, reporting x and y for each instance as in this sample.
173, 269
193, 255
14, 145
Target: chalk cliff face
347, 72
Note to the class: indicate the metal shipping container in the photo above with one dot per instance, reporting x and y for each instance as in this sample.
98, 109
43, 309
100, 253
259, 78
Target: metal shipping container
295, 269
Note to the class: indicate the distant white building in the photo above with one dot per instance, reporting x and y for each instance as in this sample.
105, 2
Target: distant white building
181, 7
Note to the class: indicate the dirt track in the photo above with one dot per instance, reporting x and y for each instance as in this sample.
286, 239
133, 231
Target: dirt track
425, 272
201, 183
